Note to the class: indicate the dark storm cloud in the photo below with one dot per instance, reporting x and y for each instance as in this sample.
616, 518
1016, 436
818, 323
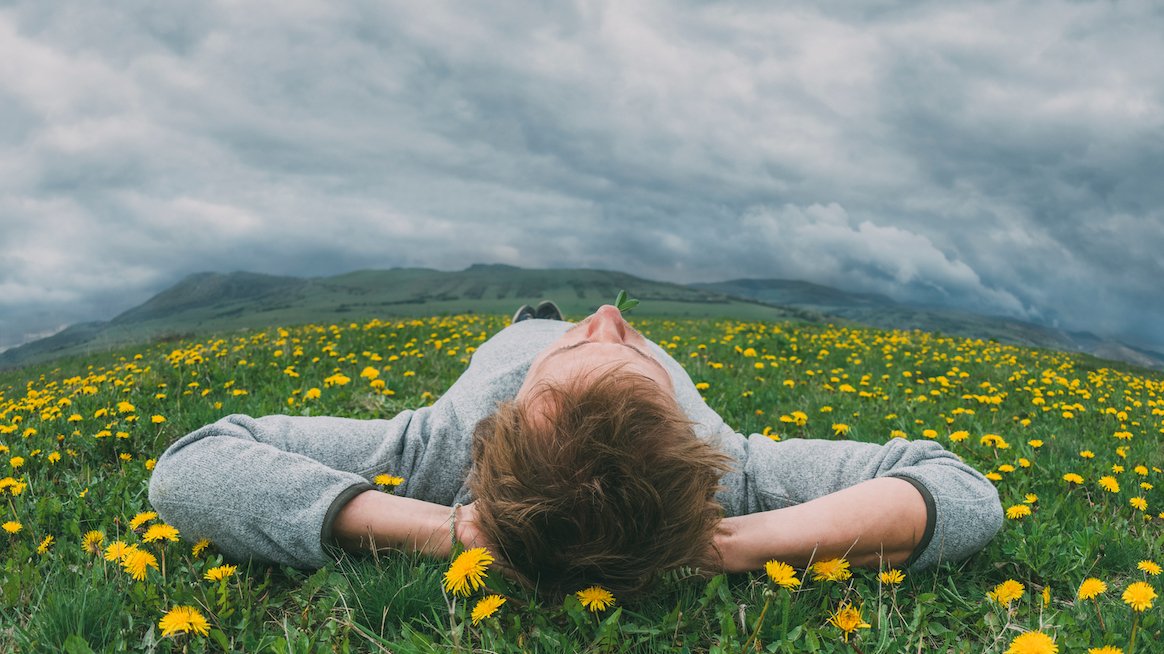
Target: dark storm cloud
999, 157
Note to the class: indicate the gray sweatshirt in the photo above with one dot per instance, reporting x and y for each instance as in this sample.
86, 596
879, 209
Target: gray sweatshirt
269, 488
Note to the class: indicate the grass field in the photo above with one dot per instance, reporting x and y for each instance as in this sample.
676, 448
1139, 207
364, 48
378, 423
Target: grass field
1074, 448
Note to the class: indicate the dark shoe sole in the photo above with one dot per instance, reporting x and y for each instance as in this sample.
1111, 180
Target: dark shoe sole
548, 311
524, 312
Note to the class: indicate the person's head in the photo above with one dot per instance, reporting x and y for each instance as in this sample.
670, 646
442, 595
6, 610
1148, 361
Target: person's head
593, 474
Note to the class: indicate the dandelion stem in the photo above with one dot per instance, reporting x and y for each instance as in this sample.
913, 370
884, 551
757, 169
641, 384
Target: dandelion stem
1132, 640
1099, 615
759, 623
453, 631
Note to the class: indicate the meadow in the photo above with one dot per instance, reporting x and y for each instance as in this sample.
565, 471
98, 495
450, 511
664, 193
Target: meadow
1072, 443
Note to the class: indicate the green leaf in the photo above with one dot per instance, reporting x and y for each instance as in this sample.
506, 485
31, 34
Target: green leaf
624, 302
75, 644
220, 638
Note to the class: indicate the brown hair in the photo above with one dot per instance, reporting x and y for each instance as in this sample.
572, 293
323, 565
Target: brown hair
599, 481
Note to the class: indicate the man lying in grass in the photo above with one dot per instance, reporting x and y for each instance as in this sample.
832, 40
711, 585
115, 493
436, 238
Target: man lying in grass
582, 454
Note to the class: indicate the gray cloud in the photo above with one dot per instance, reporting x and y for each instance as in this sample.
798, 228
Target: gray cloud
996, 157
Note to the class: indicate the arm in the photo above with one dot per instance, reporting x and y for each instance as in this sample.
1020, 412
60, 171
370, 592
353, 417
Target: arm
925, 507
876, 522
270, 488
375, 520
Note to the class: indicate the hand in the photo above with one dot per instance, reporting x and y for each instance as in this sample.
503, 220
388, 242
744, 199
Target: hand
466, 528
471, 536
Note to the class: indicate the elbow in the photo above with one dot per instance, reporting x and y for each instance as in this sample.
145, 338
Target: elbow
166, 490
978, 524
966, 524
991, 517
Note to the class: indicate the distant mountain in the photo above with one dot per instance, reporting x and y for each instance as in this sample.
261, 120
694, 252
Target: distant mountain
214, 302
207, 303
880, 311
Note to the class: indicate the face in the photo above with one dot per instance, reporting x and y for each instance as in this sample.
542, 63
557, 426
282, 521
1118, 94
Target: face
600, 342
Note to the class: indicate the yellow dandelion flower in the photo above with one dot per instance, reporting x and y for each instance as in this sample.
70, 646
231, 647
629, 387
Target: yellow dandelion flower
117, 550
891, 577
200, 547
45, 544
183, 620
467, 573
1151, 567
993, 476
1018, 511
1139, 503
160, 532
312, 394
1046, 595
220, 573
91, 542
1141, 470
831, 570
13, 527
848, 619
781, 574
1087, 454
840, 429
1139, 596
388, 480
1031, 498
1106, 649
1091, 588
137, 561
1109, 484
141, 518
1006, 467
994, 440
1007, 592
595, 598
1072, 478
486, 607
1035, 443
959, 436
1032, 642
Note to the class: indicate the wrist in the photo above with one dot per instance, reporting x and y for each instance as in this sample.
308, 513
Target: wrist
728, 552
376, 520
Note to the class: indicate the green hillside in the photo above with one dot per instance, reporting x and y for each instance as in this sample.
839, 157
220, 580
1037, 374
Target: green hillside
207, 303
212, 302
884, 313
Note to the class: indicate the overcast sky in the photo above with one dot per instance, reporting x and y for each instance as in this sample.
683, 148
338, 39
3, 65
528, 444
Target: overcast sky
1005, 157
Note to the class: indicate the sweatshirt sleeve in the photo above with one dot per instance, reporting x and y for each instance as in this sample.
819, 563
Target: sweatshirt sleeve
963, 509
268, 489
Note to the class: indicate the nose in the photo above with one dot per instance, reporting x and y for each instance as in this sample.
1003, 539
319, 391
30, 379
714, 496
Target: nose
607, 325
